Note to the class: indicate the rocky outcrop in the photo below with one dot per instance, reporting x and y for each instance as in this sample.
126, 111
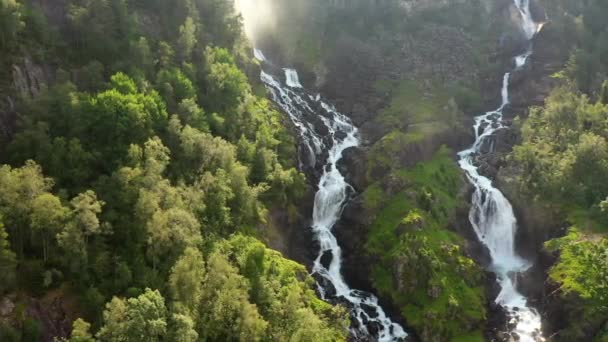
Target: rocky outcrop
29, 79
55, 313
349, 230
8, 118
288, 231
531, 84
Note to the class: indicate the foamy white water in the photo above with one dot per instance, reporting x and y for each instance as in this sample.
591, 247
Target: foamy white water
307, 112
528, 24
491, 213
259, 55
292, 79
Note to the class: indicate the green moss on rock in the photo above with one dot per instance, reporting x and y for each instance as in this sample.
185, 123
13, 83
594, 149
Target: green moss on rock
419, 263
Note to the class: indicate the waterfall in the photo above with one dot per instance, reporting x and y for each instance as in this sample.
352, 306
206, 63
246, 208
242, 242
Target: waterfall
291, 78
259, 55
492, 215
323, 129
528, 25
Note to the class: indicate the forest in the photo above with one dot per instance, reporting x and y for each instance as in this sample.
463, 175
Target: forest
137, 182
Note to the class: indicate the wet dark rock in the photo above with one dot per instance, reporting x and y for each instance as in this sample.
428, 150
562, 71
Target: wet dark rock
532, 85
374, 328
340, 135
328, 287
351, 231
353, 167
291, 234
538, 12
326, 259
369, 310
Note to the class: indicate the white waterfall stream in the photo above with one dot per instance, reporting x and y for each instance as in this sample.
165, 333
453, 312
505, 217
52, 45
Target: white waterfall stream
326, 132
491, 213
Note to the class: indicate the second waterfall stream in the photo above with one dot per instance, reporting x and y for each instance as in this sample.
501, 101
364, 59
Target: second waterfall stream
491, 213
324, 135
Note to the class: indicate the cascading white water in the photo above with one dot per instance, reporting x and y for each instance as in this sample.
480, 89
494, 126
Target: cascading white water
491, 213
292, 79
528, 24
259, 55
306, 111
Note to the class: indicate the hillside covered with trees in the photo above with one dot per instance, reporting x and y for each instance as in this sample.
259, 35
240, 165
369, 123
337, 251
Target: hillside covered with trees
140, 165
561, 165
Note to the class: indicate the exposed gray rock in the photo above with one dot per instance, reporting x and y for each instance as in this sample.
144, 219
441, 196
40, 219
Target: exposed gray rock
29, 79
6, 307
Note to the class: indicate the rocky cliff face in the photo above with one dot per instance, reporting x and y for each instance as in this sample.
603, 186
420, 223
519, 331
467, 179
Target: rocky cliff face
28, 80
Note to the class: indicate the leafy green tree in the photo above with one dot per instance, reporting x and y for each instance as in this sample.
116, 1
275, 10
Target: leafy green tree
201, 152
185, 281
142, 55
81, 332
136, 319
8, 261
166, 55
604, 93
184, 328
69, 163
217, 194
192, 115
118, 117
99, 29
187, 39
83, 223
123, 83
185, 288
47, 219
170, 232
174, 86
90, 77
263, 164
20, 186
283, 293
228, 314
246, 210
222, 25
10, 22
226, 89
286, 186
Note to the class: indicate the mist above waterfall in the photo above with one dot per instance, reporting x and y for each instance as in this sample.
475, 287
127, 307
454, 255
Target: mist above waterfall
265, 18
258, 16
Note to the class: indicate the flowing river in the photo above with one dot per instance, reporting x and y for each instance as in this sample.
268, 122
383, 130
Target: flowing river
491, 213
325, 134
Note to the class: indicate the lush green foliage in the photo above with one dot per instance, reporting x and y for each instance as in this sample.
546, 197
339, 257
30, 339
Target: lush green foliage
582, 275
415, 117
425, 270
564, 154
128, 176
563, 162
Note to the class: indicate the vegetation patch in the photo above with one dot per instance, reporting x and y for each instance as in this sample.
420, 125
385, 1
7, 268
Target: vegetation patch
581, 273
420, 263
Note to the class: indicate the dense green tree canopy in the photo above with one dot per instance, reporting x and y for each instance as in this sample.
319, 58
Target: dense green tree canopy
126, 175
